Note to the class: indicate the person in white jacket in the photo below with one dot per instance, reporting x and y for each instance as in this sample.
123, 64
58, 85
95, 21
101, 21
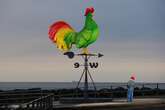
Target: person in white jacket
130, 85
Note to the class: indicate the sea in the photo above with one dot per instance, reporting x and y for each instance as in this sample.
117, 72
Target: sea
71, 85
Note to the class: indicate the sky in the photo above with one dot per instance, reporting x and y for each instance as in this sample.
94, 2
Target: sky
132, 39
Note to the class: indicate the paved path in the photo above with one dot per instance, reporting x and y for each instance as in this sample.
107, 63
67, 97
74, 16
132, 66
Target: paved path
139, 104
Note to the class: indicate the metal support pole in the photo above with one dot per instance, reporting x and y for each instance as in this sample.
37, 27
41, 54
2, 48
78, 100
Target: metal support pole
93, 83
86, 77
79, 83
85, 72
80, 79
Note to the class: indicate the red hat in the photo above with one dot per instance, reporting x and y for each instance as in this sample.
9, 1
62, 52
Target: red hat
132, 78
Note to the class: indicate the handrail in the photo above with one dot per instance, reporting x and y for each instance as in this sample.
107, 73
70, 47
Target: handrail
38, 99
42, 102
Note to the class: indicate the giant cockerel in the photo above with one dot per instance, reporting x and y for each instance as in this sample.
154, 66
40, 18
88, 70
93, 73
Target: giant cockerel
64, 36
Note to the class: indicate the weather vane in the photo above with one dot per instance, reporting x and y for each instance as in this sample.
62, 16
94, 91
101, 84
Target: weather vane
64, 36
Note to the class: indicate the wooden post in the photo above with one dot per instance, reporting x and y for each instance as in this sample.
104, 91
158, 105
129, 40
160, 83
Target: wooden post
27, 106
111, 91
157, 89
33, 105
157, 86
143, 90
37, 104
51, 101
40, 104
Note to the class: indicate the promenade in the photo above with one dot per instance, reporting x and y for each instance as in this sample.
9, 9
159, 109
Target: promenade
117, 104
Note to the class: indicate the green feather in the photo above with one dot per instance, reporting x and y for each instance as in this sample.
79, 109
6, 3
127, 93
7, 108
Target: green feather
86, 36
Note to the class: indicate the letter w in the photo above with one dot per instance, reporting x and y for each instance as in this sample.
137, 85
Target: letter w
93, 65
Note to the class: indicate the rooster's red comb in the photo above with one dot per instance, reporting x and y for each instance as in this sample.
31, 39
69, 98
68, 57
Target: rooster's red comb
89, 10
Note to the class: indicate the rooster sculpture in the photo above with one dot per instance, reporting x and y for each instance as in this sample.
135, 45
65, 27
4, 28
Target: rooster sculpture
64, 36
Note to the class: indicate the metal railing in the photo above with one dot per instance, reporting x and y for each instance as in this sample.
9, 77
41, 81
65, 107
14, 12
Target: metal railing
25, 99
43, 103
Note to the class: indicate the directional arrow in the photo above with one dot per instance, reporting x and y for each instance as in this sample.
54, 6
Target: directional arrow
100, 55
71, 54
